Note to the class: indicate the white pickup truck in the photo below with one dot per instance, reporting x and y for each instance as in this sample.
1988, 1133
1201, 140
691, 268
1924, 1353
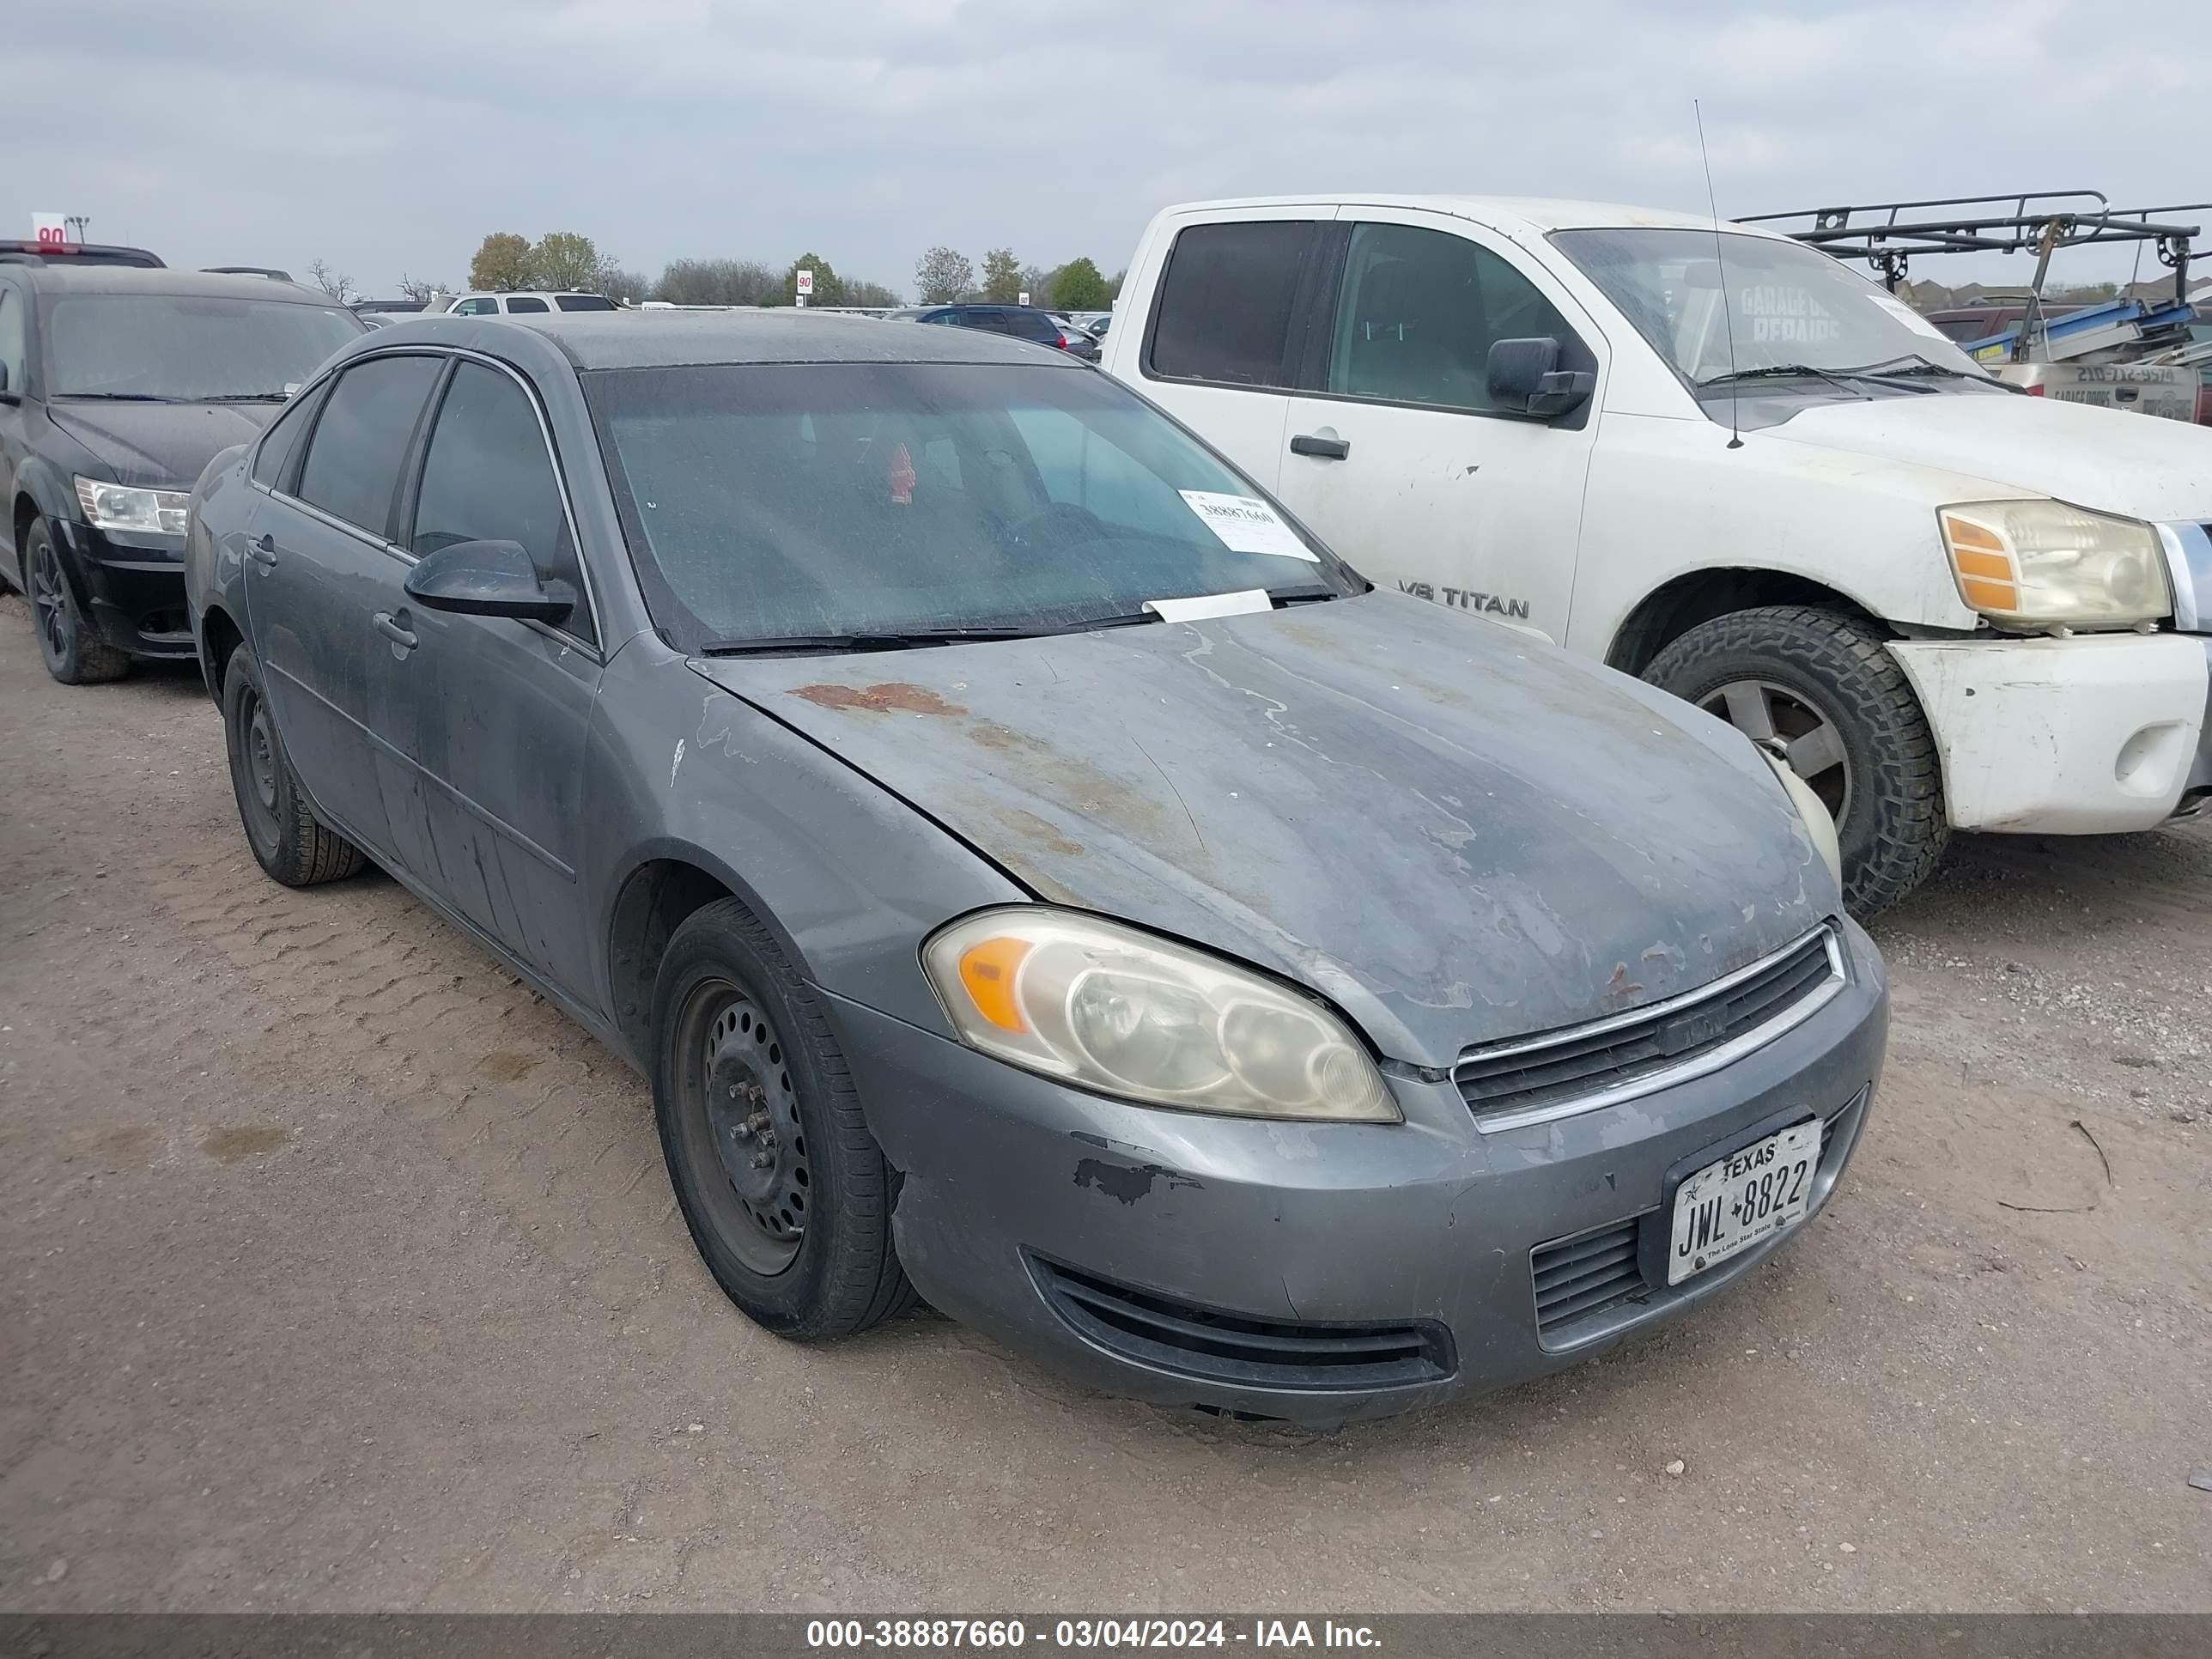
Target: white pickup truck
1718, 458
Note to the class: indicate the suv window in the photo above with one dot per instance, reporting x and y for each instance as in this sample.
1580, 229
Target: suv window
523, 303
1228, 306
1031, 325
352, 470
477, 307
1419, 311
11, 339
283, 438
584, 302
487, 477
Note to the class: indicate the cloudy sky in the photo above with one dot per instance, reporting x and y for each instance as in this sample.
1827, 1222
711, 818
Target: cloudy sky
388, 136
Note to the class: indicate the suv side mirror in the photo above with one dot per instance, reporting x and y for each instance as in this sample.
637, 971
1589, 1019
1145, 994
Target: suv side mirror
1525, 376
6, 391
488, 579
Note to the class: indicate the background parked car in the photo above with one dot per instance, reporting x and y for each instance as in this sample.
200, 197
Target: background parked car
83, 253
1022, 322
117, 386
535, 303
1207, 1090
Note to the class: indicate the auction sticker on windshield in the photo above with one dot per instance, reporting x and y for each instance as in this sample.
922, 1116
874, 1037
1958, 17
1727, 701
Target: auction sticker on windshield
1734, 1202
1247, 524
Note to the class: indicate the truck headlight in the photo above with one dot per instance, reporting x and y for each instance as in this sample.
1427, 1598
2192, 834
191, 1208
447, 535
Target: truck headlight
126, 507
1109, 1008
2031, 564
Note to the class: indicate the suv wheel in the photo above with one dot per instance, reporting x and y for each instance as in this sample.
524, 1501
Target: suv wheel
288, 841
73, 655
787, 1195
1823, 684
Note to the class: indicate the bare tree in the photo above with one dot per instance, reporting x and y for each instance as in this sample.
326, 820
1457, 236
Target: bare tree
719, 282
944, 274
416, 289
337, 284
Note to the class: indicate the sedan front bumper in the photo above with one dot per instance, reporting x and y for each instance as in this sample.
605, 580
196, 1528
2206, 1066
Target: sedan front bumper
1315, 1273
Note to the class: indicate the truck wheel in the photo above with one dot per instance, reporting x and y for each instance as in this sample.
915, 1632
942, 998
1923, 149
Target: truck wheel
1823, 684
787, 1195
288, 841
74, 655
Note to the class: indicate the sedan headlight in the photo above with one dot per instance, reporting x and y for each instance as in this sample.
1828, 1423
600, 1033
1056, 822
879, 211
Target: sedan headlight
126, 507
2031, 564
1819, 823
1109, 1008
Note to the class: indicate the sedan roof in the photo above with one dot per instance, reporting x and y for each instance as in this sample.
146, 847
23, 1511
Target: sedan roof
666, 339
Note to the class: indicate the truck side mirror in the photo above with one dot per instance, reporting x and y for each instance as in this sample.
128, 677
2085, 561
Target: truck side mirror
1525, 376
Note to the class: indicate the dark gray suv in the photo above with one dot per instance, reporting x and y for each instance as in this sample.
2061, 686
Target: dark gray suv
1032, 871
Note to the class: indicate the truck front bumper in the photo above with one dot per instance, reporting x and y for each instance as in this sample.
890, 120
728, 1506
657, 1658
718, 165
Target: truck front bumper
2090, 735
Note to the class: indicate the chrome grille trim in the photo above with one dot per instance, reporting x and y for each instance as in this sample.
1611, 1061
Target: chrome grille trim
1698, 1065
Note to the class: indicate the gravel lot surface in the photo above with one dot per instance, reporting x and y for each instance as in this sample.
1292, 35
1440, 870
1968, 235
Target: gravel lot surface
341, 1273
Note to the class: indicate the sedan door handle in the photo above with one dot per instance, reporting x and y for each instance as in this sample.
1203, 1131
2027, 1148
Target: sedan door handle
1322, 449
262, 550
390, 626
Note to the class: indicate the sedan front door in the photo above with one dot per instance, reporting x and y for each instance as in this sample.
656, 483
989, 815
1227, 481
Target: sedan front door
497, 710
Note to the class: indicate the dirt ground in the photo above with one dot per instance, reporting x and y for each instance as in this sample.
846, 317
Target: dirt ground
342, 1273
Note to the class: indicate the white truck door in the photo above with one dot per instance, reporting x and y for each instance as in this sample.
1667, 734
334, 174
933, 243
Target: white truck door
1401, 461
1224, 332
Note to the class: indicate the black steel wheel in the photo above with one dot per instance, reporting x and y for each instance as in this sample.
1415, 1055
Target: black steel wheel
786, 1192
288, 841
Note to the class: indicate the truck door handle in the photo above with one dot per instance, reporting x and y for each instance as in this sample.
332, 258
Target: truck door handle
262, 550
390, 628
1322, 449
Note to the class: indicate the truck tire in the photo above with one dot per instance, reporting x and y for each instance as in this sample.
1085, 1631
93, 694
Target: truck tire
288, 841
785, 1191
1824, 685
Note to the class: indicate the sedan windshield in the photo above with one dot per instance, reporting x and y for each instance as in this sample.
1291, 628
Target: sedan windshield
844, 501
1791, 309
186, 348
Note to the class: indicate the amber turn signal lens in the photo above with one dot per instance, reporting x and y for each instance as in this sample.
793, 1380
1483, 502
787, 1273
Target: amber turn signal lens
987, 973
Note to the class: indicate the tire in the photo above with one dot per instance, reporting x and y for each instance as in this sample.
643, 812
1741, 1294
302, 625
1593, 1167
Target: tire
288, 841
1804, 664
787, 1193
74, 654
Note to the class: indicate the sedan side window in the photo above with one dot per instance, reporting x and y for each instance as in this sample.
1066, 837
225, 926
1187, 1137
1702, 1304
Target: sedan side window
283, 438
352, 470
1418, 311
488, 477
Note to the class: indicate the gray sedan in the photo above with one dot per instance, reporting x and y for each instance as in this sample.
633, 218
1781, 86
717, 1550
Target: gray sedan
1032, 871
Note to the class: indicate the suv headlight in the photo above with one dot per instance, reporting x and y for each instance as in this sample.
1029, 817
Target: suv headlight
2031, 564
126, 507
1109, 1008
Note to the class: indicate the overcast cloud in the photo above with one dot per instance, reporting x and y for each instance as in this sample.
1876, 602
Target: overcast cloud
390, 136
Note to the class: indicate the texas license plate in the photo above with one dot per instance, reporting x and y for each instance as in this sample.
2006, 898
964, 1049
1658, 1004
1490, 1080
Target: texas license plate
1736, 1201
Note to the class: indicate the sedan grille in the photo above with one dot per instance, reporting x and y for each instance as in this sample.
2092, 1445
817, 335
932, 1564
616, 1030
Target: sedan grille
1230, 1348
1582, 1068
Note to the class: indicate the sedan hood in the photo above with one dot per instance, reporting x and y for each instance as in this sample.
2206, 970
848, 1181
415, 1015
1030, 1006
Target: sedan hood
2138, 467
1456, 832
160, 445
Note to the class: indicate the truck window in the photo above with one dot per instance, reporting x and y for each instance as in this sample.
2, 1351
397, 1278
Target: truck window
1228, 307
1419, 311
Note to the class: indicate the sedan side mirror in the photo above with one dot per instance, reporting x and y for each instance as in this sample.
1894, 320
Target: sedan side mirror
488, 579
1525, 376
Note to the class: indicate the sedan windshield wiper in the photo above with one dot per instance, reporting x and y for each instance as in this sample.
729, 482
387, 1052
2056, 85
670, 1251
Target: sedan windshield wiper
905, 639
244, 398
117, 398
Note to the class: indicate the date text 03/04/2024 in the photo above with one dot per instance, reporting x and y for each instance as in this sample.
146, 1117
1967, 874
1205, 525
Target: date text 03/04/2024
853, 1633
